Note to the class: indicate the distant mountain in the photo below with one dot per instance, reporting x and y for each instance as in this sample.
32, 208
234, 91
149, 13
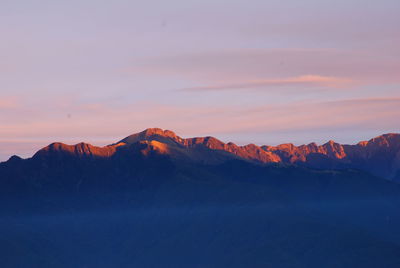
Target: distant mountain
155, 157
379, 156
156, 200
204, 149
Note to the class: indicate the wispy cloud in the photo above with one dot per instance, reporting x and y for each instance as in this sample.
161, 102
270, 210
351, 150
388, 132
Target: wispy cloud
242, 68
304, 80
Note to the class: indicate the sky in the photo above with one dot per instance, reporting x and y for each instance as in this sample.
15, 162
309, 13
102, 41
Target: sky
263, 72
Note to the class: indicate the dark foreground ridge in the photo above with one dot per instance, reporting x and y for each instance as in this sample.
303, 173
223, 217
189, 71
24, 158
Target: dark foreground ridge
157, 200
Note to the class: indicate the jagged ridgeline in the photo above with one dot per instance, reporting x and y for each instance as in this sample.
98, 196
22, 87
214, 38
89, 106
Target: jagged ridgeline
155, 199
158, 159
379, 156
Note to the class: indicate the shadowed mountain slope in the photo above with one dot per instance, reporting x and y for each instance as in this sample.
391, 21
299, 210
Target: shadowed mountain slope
157, 200
379, 156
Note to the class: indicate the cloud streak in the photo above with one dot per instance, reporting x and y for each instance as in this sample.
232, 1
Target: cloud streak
304, 80
250, 67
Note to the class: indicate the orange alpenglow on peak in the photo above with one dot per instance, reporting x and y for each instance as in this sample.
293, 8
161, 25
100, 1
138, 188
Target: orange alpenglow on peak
80, 149
366, 155
148, 134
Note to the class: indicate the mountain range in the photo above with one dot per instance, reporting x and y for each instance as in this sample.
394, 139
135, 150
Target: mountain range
155, 199
379, 156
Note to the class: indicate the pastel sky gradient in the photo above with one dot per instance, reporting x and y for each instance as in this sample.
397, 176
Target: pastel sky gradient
259, 71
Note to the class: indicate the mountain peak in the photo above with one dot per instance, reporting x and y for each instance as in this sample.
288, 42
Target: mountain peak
151, 134
386, 139
380, 155
158, 131
14, 158
80, 150
330, 143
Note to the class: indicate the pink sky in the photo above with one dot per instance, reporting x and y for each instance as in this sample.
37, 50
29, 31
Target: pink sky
268, 72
